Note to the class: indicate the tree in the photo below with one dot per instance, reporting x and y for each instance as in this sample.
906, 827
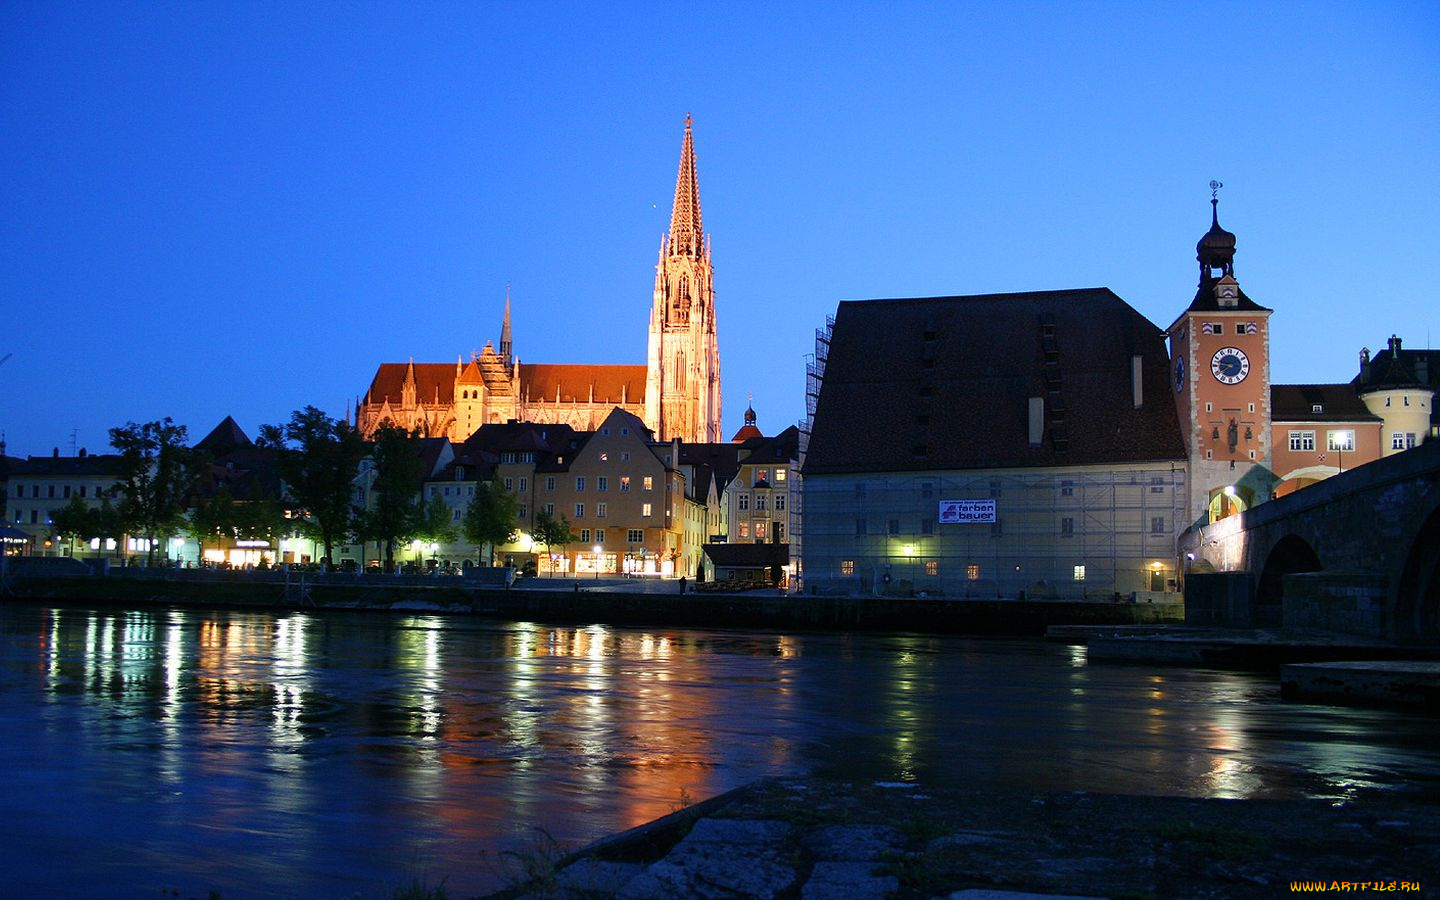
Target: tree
156, 468
212, 518
318, 466
74, 521
554, 532
490, 517
437, 523
394, 515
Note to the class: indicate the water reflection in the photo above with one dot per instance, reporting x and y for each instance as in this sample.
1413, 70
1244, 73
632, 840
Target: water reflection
343, 753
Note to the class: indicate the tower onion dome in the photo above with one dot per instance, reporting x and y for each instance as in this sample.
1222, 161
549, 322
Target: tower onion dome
1216, 250
749, 430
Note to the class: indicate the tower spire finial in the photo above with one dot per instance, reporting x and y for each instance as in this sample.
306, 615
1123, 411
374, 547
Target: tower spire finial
505, 343
686, 233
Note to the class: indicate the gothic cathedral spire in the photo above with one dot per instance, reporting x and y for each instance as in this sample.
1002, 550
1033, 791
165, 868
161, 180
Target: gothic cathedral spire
682, 387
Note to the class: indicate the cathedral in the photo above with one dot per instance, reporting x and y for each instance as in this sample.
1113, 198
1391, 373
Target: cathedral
676, 392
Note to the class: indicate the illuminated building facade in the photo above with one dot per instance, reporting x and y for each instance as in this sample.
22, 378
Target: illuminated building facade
676, 392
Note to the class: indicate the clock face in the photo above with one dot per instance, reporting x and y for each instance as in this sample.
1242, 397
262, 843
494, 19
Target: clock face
1179, 373
1230, 365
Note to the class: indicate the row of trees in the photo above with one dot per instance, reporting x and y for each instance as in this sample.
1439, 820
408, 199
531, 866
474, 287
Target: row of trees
318, 459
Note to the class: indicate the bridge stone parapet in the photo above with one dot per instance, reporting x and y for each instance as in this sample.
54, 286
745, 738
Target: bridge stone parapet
1373, 533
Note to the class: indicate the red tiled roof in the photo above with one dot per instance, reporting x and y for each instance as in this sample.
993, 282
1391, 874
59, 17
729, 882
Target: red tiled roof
432, 380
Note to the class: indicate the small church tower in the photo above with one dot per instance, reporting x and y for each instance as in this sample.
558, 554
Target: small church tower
682, 384
1220, 358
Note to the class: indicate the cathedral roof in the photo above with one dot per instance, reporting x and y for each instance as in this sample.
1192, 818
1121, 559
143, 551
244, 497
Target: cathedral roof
946, 383
433, 382
582, 383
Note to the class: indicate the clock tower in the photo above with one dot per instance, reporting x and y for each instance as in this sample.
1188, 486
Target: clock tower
1220, 373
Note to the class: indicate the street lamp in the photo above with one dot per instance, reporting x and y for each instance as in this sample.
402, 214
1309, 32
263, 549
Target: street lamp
596, 562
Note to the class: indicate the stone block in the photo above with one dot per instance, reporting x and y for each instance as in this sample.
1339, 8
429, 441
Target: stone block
848, 881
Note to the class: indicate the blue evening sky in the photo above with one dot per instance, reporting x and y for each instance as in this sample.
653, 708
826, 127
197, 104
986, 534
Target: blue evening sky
242, 208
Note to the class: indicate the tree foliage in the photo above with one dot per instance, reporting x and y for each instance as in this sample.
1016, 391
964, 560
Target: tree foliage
437, 522
156, 468
553, 532
319, 458
394, 515
490, 518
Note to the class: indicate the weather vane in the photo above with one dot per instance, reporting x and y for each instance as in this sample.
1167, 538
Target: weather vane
1215, 186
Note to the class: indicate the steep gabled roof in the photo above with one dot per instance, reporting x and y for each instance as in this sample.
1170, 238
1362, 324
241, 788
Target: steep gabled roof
224, 438
1336, 402
433, 381
946, 383
547, 382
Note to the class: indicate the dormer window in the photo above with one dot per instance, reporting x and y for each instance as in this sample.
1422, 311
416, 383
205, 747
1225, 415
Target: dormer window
1317, 408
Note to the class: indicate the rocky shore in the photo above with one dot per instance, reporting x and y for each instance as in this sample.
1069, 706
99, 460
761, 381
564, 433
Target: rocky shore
813, 838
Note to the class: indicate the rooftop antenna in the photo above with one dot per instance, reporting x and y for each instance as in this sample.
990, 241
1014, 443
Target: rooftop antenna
74, 435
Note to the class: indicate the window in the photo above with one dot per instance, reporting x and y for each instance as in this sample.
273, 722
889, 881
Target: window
647, 483
579, 484
1067, 526
847, 567
780, 475
524, 482
635, 536
67, 491
600, 509
1302, 440
1157, 524
605, 455
521, 512
584, 535
761, 475
1067, 488
932, 567
1397, 441
550, 510
744, 502
602, 483
1341, 441
1409, 440
51, 490
760, 501
859, 527
1078, 573
550, 483
759, 532
82, 490
779, 502
645, 511
579, 510
894, 526
455, 517
972, 572
624, 483
599, 535
744, 531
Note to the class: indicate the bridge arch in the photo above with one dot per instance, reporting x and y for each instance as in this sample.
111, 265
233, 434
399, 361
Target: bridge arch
1417, 595
1291, 555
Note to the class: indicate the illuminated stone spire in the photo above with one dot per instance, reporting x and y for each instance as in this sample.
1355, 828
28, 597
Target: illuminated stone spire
686, 234
505, 329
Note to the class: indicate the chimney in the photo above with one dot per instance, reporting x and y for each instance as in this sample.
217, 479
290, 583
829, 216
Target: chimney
1422, 368
55, 453
1364, 365
82, 453
1137, 388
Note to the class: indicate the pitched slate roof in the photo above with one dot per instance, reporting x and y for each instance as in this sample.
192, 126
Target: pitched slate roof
582, 383
224, 438
1337, 402
945, 383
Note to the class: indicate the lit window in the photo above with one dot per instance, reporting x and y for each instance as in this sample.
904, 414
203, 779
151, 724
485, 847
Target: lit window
1341, 441
644, 510
648, 484
972, 572
605, 455
759, 531
1078, 573
781, 474
761, 475
932, 567
624, 483
847, 567
744, 530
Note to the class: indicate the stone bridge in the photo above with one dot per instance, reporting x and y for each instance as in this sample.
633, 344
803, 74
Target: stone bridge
1357, 553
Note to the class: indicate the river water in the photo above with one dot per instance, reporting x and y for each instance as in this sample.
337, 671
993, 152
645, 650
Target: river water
343, 754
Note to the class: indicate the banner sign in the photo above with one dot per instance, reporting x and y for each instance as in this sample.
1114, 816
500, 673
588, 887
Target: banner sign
954, 512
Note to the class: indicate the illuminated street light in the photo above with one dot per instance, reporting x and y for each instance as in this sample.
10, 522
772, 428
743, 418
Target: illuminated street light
596, 562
